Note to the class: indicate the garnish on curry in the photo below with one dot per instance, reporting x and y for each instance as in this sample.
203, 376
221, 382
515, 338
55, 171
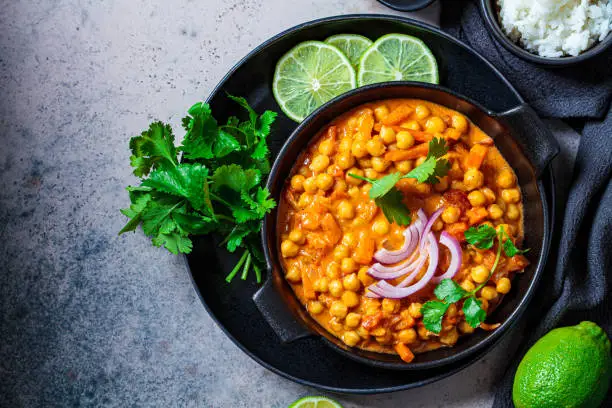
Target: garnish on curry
392, 225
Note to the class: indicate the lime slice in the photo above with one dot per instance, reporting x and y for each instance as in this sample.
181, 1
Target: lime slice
352, 45
315, 402
309, 75
397, 57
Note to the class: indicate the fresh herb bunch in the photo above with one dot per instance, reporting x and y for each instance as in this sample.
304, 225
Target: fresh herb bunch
218, 187
449, 292
389, 199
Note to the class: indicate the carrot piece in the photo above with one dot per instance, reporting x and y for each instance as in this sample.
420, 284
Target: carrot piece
370, 322
333, 233
332, 131
404, 352
457, 229
398, 115
412, 153
517, 263
364, 250
420, 136
309, 292
476, 156
476, 215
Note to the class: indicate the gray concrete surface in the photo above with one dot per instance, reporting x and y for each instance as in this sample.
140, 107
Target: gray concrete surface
91, 319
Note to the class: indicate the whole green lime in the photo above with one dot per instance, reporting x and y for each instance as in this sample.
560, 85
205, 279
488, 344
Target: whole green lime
569, 367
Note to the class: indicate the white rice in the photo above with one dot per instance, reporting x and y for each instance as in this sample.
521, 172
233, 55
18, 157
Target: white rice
556, 28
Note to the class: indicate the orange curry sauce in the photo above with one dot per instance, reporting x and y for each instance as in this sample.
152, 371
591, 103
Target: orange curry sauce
329, 228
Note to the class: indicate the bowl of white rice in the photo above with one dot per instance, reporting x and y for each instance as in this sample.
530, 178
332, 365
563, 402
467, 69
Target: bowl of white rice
551, 32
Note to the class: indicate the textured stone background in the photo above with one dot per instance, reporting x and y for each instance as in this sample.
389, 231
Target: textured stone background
88, 318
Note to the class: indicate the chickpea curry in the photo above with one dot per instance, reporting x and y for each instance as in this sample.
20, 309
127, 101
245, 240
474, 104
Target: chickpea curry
334, 238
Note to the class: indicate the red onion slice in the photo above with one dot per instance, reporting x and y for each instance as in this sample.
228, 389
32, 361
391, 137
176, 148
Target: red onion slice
421, 222
411, 239
430, 223
454, 247
392, 292
415, 270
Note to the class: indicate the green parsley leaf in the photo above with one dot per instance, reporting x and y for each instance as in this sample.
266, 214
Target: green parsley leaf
481, 237
433, 313
394, 209
449, 291
474, 314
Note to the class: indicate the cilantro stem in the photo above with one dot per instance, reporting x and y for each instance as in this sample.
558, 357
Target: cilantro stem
234, 271
369, 180
257, 272
219, 199
245, 270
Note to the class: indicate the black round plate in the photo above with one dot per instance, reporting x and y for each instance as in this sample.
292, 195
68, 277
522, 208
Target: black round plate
309, 361
406, 5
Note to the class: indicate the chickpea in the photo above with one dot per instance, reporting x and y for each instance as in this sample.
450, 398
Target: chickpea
415, 310
459, 123
452, 310
336, 325
387, 134
326, 147
488, 292
310, 185
345, 145
363, 276
435, 124
338, 309
508, 229
365, 163
305, 200
465, 327
349, 239
484, 304
421, 112
420, 161
289, 249
297, 236
341, 252
324, 181
450, 337
372, 308
468, 285
458, 185
379, 332
335, 288
423, 333
375, 147
340, 185
371, 173
390, 305
321, 285
505, 179
319, 163
477, 257
352, 319
346, 210
351, 282
359, 149
297, 182
350, 298
294, 275
332, 271
473, 179
380, 227
437, 226
404, 166
503, 285
351, 338
348, 265
511, 195
354, 192
479, 274
477, 198
407, 336
512, 212
345, 160
442, 185
405, 140
489, 194
495, 211
315, 307
381, 112
363, 333
365, 189
304, 171
380, 164
412, 125
451, 214
352, 180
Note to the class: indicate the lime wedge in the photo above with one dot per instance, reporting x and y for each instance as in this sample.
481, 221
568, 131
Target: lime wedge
309, 75
397, 57
315, 402
352, 45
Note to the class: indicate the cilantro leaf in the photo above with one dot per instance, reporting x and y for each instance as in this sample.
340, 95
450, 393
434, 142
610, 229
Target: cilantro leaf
174, 243
434, 167
235, 178
135, 212
433, 313
394, 209
185, 180
201, 134
508, 246
474, 314
154, 146
449, 291
225, 144
264, 123
481, 237
437, 148
383, 185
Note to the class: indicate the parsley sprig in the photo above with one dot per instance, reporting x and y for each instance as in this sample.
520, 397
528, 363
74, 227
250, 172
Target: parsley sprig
218, 187
449, 292
389, 199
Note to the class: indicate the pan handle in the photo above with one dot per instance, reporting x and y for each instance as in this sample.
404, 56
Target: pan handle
276, 312
537, 142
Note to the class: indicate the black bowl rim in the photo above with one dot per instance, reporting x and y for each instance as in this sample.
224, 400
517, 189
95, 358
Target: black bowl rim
492, 23
219, 87
418, 6
509, 322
